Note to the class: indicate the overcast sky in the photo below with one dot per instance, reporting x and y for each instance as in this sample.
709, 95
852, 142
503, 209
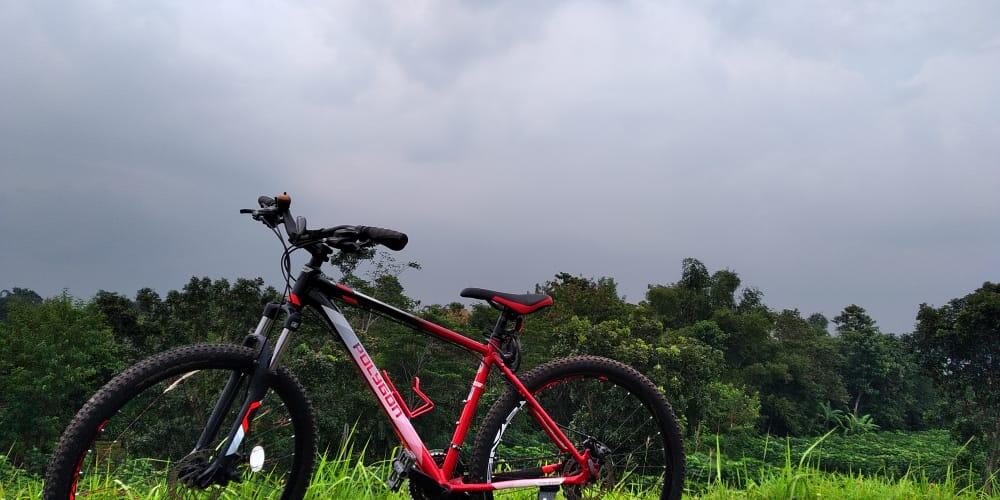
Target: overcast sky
829, 152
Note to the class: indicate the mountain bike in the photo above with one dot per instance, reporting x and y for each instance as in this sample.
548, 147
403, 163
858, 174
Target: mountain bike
225, 419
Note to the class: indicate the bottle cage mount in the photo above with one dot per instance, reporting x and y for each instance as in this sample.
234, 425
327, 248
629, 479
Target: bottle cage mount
425, 407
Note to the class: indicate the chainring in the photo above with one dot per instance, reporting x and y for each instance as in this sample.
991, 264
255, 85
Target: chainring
418, 492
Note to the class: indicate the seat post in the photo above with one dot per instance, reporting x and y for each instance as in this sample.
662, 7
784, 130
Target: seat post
501, 327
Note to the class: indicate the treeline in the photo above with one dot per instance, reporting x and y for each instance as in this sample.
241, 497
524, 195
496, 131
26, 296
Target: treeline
728, 363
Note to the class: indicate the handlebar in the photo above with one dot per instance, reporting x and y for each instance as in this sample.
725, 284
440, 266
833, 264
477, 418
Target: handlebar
274, 211
393, 240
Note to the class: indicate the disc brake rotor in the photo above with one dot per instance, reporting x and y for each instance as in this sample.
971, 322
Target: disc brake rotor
194, 462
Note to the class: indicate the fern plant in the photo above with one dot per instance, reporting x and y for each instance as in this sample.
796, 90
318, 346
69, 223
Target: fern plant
853, 424
831, 417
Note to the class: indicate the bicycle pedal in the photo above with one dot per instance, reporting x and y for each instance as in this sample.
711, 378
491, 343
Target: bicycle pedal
547, 492
400, 470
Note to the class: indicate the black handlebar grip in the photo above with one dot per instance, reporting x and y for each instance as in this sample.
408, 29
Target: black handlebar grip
393, 240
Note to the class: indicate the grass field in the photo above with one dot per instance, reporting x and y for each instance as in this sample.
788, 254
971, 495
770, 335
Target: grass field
798, 477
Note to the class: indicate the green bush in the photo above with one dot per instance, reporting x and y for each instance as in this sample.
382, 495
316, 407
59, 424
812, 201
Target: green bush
731, 409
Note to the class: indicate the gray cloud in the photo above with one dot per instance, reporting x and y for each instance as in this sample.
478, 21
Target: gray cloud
829, 152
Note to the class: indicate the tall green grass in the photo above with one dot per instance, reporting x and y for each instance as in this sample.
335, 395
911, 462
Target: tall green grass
803, 479
887, 455
346, 474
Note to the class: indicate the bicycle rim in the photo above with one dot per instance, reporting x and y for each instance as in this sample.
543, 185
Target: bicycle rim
615, 422
146, 446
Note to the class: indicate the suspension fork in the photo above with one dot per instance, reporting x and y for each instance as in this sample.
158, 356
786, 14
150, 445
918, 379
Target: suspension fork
266, 361
259, 339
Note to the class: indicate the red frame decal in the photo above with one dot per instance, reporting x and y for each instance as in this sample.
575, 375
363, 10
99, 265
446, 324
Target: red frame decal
246, 417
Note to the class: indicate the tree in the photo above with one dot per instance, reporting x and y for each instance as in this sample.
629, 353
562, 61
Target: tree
800, 371
868, 356
685, 367
133, 335
691, 298
707, 332
854, 318
722, 292
818, 322
16, 294
748, 335
594, 299
751, 299
55, 355
959, 346
731, 409
694, 275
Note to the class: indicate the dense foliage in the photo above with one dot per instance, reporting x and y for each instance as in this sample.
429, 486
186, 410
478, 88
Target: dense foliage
728, 363
959, 345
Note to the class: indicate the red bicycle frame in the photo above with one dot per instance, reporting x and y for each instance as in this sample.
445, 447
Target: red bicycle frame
318, 291
311, 289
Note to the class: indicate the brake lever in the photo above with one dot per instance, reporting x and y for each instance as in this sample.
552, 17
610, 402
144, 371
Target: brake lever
259, 211
264, 215
345, 244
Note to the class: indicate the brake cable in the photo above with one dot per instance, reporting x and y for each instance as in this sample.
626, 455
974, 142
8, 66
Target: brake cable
285, 263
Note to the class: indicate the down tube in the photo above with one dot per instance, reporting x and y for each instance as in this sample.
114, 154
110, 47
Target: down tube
403, 427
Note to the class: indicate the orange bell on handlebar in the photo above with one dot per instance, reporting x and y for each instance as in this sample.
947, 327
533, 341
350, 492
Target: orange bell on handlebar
283, 200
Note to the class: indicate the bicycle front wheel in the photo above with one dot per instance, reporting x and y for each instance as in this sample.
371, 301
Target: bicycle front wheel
601, 405
135, 436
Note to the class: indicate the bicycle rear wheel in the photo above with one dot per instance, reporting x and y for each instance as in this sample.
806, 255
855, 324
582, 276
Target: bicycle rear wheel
135, 436
601, 405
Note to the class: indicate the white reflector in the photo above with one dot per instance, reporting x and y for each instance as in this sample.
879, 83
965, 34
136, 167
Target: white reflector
256, 459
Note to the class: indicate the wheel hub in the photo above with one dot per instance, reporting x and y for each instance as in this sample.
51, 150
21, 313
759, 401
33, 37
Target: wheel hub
598, 450
196, 470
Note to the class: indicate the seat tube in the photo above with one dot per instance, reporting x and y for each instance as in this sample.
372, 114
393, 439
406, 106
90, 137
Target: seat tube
465, 420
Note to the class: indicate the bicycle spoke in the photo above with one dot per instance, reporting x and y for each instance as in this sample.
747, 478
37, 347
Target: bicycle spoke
149, 439
597, 415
